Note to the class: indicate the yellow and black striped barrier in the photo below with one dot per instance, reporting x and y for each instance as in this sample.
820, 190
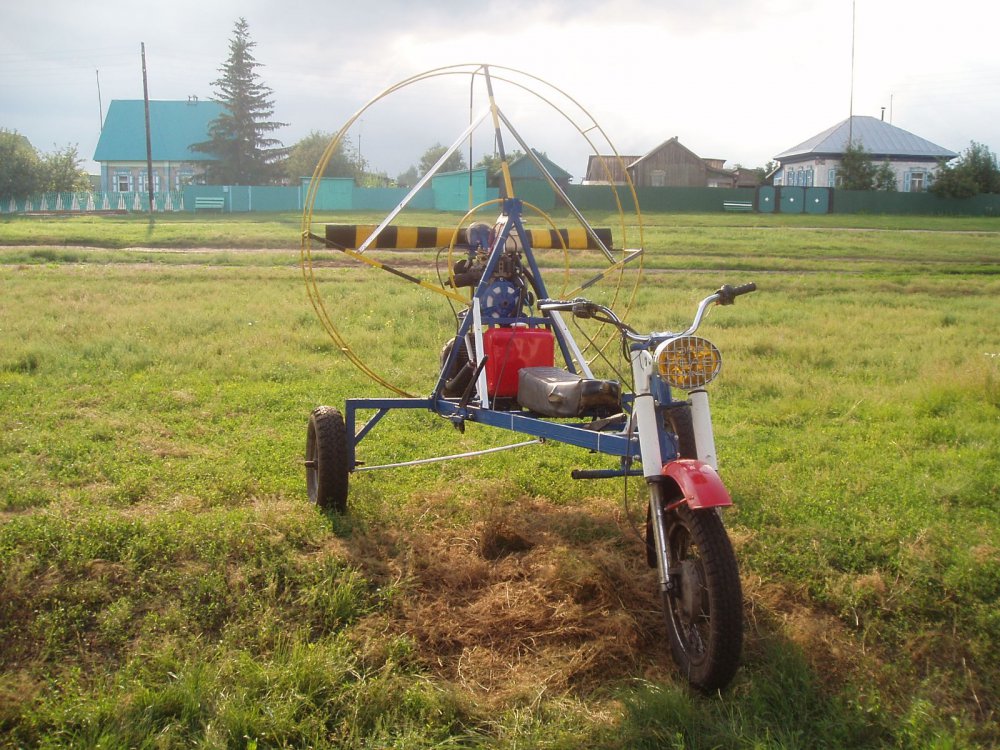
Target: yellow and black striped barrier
353, 236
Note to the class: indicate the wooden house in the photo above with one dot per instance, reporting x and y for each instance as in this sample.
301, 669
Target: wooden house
671, 164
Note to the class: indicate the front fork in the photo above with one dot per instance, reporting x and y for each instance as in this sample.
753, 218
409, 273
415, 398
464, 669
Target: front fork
650, 427
647, 421
701, 418
658, 521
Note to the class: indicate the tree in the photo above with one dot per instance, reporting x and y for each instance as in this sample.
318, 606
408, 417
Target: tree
304, 157
975, 171
62, 173
24, 172
762, 173
239, 136
20, 167
856, 171
884, 178
453, 163
491, 162
408, 178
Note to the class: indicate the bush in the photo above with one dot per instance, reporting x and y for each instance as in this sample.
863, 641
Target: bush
24, 172
976, 171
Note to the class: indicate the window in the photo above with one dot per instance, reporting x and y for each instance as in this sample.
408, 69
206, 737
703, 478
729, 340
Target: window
917, 180
144, 182
657, 178
831, 177
122, 183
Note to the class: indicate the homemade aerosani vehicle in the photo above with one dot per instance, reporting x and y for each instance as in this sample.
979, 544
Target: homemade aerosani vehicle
513, 362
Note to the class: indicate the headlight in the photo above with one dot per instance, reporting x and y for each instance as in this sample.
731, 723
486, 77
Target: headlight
688, 362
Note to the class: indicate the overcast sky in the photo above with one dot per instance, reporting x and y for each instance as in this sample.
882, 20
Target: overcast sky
740, 80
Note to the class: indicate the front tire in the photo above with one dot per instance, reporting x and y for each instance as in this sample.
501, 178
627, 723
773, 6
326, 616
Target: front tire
327, 459
704, 606
679, 421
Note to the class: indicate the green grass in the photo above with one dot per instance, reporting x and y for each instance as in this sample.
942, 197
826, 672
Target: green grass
164, 582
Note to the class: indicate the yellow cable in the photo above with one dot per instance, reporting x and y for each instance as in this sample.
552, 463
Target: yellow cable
306, 259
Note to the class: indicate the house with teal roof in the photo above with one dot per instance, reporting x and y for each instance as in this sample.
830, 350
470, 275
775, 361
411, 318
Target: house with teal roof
524, 168
174, 127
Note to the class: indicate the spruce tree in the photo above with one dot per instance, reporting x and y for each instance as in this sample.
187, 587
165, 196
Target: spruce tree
239, 139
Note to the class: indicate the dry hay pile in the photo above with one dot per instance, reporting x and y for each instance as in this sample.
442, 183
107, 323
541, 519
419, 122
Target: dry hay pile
532, 598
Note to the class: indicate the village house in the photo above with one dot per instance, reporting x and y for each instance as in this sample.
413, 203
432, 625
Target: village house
174, 127
671, 164
815, 162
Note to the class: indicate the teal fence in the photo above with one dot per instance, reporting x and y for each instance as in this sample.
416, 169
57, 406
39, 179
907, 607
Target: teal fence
859, 201
93, 202
794, 200
450, 192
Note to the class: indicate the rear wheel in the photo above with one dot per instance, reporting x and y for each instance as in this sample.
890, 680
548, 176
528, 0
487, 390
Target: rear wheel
704, 603
327, 460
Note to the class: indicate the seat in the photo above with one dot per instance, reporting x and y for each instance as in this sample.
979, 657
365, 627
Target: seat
554, 392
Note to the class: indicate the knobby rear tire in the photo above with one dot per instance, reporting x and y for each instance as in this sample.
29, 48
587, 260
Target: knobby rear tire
327, 459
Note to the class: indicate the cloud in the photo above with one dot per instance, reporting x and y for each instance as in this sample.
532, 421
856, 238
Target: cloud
735, 80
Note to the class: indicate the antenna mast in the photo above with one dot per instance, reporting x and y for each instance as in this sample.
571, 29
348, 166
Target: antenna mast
100, 104
850, 111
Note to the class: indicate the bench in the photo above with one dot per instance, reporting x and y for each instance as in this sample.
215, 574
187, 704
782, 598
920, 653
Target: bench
209, 202
737, 206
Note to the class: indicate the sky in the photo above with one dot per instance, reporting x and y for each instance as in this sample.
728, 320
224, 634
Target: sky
736, 80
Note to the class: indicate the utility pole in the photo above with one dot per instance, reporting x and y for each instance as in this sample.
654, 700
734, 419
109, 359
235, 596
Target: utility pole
149, 143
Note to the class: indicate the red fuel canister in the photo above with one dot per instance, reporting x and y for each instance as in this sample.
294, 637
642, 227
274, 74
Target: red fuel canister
510, 349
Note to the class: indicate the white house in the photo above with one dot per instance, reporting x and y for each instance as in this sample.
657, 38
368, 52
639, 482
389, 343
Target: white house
814, 162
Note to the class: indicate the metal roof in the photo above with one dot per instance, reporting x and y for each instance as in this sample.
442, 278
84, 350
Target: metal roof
522, 166
879, 138
174, 126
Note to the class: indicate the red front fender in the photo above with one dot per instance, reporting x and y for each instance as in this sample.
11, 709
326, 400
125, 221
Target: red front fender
699, 483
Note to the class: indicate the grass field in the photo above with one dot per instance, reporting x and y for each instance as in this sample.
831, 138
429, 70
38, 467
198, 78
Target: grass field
165, 583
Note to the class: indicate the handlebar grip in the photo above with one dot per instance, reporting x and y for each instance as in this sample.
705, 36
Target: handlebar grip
580, 307
728, 293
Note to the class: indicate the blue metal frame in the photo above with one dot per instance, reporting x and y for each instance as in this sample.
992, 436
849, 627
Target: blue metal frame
511, 210
610, 443
624, 445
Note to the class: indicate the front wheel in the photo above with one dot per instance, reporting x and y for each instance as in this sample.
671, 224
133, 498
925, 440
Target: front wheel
704, 601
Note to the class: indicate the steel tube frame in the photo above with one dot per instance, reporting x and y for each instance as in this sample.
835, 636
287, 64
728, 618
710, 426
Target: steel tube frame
618, 444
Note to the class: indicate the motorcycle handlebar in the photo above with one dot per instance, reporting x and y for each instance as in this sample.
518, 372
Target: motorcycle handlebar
584, 308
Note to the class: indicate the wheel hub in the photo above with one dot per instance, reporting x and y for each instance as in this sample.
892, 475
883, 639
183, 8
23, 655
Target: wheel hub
693, 592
